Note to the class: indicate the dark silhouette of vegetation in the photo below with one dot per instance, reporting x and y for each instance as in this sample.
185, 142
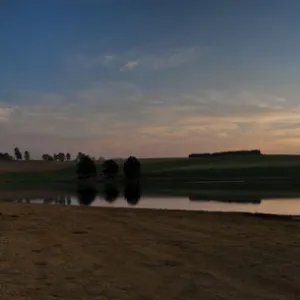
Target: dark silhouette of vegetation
6, 157
110, 193
132, 168
18, 154
86, 168
86, 194
227, 153
61, 157
47, 157
132, 192
110, 169
79, 155
27, 155
68, 156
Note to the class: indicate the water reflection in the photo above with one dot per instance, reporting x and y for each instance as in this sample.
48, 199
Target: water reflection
231, 198
86, 195
110, 193
132, 193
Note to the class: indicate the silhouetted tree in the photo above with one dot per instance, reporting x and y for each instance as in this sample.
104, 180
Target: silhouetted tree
47, 157
110, 168
68, 156
132, 168
86, 168
110, 192
6, 156
18, 154
86, 194
132, 193
27, 155
79, 155
61, 157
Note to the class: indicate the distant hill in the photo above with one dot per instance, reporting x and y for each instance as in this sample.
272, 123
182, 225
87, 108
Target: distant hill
226, 153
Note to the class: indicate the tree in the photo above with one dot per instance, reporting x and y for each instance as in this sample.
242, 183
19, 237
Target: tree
47, 157
132, 168
27, 155
61, 157
86, 168
5, 156
110, 168
68, 156
18, 154
79, 155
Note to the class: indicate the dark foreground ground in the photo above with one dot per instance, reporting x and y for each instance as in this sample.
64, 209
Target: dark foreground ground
70, 253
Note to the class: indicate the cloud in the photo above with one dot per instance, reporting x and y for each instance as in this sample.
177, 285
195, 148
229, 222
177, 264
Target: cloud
85, 61
120, 118
5, 114
129, 65
169, 58
148, 60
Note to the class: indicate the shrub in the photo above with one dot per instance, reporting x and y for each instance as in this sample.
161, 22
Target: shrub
132, 168
86, 168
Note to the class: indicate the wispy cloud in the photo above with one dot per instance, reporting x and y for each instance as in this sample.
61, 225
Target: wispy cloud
92, 61
5, 113
148, 60
120, 118
169, 58
129, 65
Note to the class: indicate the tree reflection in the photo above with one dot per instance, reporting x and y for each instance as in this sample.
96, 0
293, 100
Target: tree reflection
132, 192
110, 193
86, 194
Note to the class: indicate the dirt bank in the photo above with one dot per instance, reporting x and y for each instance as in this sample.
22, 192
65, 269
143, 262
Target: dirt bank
54, 252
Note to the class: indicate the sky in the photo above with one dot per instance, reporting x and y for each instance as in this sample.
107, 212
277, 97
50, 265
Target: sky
150, 78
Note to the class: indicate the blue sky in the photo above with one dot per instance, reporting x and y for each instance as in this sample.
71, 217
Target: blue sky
149, 78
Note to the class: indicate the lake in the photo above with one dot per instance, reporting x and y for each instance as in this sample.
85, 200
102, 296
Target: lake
227, 202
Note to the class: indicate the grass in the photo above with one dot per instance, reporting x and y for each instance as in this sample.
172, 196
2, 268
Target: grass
181, 169
54, 252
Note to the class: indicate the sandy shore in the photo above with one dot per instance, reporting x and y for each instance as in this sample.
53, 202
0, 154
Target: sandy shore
70, 253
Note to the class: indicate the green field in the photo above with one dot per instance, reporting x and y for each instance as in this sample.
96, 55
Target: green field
264, 167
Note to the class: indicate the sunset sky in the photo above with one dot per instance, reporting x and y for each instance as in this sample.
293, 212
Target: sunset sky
149, 78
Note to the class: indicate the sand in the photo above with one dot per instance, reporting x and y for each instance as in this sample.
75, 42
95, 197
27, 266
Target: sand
59, 252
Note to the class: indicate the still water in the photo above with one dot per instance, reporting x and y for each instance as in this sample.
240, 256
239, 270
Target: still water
282, 206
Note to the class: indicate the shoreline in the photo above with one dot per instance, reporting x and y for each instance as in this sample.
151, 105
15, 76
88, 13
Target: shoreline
119, 253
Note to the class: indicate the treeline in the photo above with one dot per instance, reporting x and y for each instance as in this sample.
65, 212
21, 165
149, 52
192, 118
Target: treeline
60, 157
86, 168
57, 157
66, 157
227, 153
18, 155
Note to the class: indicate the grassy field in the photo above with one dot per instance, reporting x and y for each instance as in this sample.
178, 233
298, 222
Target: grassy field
181, 169
54, 252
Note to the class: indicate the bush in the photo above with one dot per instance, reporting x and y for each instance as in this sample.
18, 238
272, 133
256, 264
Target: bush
86, 168
110, 168
132, 168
